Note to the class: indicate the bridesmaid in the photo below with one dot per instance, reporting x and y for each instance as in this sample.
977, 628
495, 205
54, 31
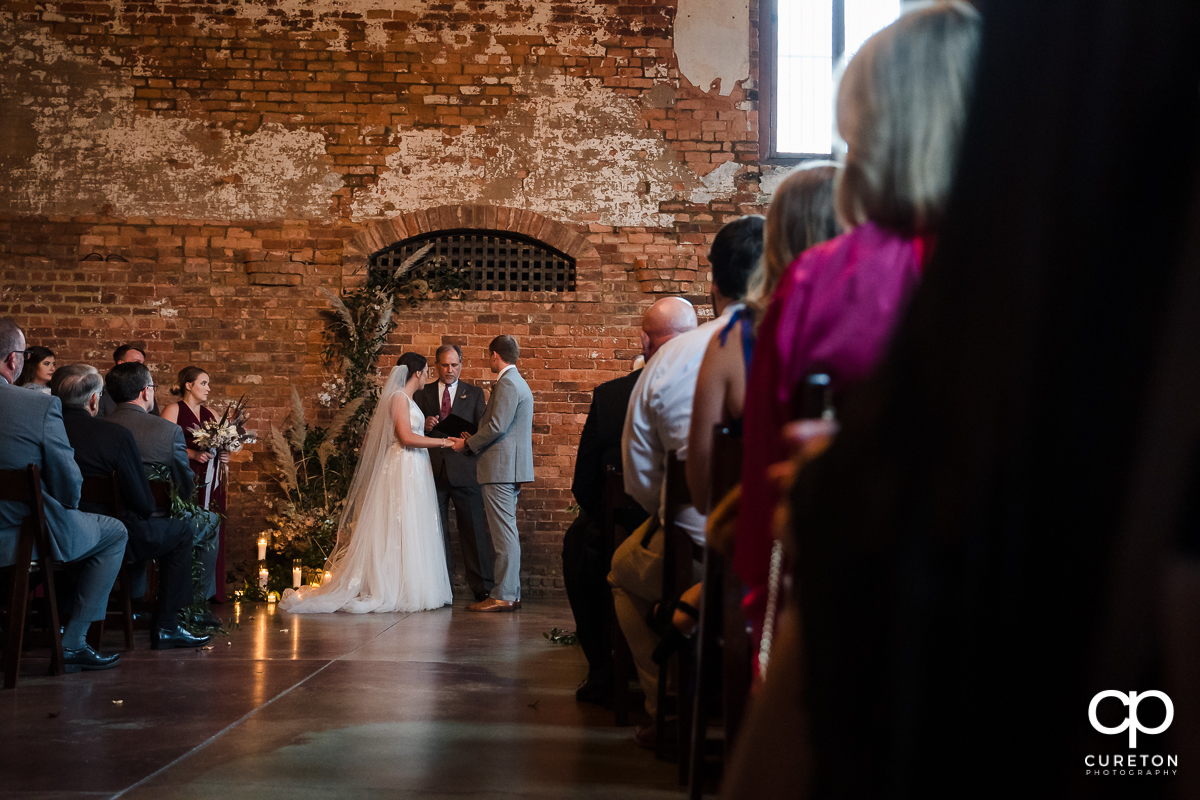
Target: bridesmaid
192, 389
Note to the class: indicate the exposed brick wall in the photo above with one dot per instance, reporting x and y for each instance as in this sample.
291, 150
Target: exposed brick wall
227, 160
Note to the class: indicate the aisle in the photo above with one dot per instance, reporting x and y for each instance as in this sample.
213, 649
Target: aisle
444, 703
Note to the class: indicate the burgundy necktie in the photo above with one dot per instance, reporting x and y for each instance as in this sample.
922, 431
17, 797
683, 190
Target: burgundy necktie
445, 402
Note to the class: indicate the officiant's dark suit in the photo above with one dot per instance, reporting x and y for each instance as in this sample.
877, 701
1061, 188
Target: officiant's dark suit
454, 475
102, 447
585, 556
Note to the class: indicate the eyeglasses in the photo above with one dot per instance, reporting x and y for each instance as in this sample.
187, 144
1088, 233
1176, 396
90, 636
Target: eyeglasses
24, 353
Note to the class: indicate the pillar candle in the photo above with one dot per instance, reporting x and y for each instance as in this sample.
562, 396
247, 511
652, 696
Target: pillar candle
297, 572
262, 549
262, 578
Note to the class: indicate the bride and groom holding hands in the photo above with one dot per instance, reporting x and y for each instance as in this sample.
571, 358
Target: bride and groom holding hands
390, 553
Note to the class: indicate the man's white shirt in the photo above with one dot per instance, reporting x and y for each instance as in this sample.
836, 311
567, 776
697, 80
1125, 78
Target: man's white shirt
658, 418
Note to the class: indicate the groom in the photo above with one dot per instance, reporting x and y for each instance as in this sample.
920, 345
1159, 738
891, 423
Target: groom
504, 446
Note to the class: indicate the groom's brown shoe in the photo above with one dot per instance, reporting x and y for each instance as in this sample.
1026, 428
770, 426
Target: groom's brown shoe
492, 604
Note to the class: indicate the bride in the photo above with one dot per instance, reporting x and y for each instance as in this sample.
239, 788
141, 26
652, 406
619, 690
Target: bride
389, 554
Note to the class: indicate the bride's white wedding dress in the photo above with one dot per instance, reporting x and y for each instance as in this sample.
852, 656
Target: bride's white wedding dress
389, 555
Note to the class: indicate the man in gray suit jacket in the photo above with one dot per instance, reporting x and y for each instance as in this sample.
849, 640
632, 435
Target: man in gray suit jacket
454, 473
161, 444
504, 447
33, 433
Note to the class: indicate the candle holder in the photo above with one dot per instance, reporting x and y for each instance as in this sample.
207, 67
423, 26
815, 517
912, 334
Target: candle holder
297, 573
262, 577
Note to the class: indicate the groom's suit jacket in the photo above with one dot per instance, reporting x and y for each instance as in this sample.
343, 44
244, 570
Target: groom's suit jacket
504, 443
469, 403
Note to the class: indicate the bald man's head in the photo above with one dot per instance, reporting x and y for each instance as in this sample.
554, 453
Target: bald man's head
665, 320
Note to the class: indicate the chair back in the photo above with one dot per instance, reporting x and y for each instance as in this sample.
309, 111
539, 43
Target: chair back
162, 494
615, 500
24, 486
103, 491
726, 462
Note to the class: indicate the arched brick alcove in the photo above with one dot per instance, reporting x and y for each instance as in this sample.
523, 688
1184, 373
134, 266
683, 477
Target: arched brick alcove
384, 233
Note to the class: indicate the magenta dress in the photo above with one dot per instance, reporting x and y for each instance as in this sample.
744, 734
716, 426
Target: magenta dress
833, 312
187, 421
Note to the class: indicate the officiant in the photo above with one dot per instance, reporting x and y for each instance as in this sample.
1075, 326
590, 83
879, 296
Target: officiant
454, 473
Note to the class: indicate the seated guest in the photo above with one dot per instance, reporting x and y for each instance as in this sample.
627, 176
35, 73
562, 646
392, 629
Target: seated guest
657, 422
161, 444
32, 433
39, 369
585, 553
125, 354
901, 108
102, 447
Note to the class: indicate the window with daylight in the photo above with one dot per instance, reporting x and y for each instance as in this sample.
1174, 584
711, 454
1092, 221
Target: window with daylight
803, 42
494, 261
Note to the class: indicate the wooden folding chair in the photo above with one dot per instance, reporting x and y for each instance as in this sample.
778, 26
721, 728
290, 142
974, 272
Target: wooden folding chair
616, 500
105, 491
680, 553
716, 676
25, 486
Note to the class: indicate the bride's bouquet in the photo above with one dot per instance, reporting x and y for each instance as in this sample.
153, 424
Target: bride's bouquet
227, 434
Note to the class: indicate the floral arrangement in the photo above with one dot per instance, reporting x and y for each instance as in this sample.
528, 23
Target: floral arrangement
228, 434
314, 464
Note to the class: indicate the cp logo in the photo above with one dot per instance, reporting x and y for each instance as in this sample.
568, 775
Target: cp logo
1131, 722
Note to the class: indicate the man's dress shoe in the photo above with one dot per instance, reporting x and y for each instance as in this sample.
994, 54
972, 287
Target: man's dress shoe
175, 637
85, 658
491, 604
595, 690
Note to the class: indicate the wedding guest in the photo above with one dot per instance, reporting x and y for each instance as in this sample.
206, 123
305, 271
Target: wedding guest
192, 387
126, 353
101, 448
503, 446
454, 473
585, 557
39, 369
161, 444
900, 108
32, 433
657, 422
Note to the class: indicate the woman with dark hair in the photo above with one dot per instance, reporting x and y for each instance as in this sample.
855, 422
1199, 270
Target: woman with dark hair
192, 387
389, 554
39, 369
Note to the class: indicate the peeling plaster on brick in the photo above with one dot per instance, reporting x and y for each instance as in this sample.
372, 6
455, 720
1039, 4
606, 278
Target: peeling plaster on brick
569, 148
340, 17
772, 176
718, 183
94, 150
712, 41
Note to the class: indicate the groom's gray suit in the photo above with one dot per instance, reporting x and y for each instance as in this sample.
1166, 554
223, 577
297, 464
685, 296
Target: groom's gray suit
504, 446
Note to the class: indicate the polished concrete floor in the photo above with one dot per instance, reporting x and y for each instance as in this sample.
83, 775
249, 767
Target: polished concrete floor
437, 704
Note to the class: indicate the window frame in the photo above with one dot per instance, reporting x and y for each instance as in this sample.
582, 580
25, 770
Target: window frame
768, 82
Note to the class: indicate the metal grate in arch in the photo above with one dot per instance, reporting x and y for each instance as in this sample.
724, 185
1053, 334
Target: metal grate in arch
494, 261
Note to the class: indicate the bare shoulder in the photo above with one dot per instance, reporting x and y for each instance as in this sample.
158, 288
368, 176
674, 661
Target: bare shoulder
724, 357
171, 413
